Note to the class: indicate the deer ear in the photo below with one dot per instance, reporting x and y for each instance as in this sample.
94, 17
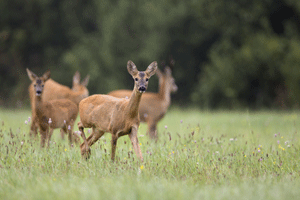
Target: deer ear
85, 81
31, 75
168, 71
151, 69
132, 68
46, 75
76, 78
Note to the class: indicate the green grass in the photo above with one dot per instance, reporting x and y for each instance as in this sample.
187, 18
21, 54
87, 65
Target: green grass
199, 155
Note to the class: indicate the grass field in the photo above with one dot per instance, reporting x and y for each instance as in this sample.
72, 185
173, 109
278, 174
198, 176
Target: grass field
199, 155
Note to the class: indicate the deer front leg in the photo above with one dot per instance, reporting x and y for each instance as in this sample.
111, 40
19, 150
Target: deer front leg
33, 127
135, 143
114, 140
84, 147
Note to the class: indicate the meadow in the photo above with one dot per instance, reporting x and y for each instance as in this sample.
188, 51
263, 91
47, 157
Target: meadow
199, 155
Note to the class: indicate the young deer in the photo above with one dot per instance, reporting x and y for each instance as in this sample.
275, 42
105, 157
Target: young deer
154, 106
54, 90
59, 113
104, 113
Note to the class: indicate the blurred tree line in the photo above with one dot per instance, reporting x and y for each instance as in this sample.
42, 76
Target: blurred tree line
228, 53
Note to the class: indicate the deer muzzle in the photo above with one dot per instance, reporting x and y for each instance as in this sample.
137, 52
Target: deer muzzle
142, 89
38, 93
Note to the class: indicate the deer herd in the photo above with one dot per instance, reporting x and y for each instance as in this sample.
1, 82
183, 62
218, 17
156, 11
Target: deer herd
119, 112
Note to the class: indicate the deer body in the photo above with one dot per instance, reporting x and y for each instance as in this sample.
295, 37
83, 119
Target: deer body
59, 113
120, 121
54, 90
104, 113
153, 106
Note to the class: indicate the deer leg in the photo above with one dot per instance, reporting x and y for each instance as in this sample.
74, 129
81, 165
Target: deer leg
76, 138
114, 139
96, 134
49, 135
94, 137
43, 133
135, 143
70, 132
84, 147
62, 134
63, 131
33, 127
152, 130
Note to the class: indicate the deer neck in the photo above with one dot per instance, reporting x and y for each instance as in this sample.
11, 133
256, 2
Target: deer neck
134, 102
39, 106
165, 92
76, 97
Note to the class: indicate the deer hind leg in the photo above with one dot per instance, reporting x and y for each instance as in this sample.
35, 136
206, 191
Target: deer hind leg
43, 132
49, 134
96, 134
135, 143
70, 131
84, 147
62, 133
94, 137
76, 138
114, 140
152, 130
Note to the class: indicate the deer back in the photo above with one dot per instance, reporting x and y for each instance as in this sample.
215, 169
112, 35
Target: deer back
54, 90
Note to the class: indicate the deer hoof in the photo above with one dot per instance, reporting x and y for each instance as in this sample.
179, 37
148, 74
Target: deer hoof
86, 153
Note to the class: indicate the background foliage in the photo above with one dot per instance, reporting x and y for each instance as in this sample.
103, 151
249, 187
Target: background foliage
229, 54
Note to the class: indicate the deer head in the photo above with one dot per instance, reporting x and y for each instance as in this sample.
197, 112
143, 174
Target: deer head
141, 77
39, 82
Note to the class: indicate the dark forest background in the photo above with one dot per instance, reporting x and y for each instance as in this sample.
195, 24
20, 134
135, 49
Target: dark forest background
231, 54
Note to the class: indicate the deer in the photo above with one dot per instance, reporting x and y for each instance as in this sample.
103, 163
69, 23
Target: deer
118, 116
57, 113
153, 106
54, 90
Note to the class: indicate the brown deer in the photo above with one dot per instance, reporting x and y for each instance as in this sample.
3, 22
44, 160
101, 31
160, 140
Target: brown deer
58, 113
104, 113
54, 90
153, 106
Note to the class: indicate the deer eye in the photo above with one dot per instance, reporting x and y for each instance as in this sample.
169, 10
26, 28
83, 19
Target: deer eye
147, 79
42, 85
136, 79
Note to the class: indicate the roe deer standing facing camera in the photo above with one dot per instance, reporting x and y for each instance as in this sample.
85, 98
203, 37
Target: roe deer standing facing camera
104, 113
54, 90
154, 106
59, 113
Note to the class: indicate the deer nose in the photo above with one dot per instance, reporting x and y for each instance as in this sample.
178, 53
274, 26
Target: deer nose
38, 93
142, 89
